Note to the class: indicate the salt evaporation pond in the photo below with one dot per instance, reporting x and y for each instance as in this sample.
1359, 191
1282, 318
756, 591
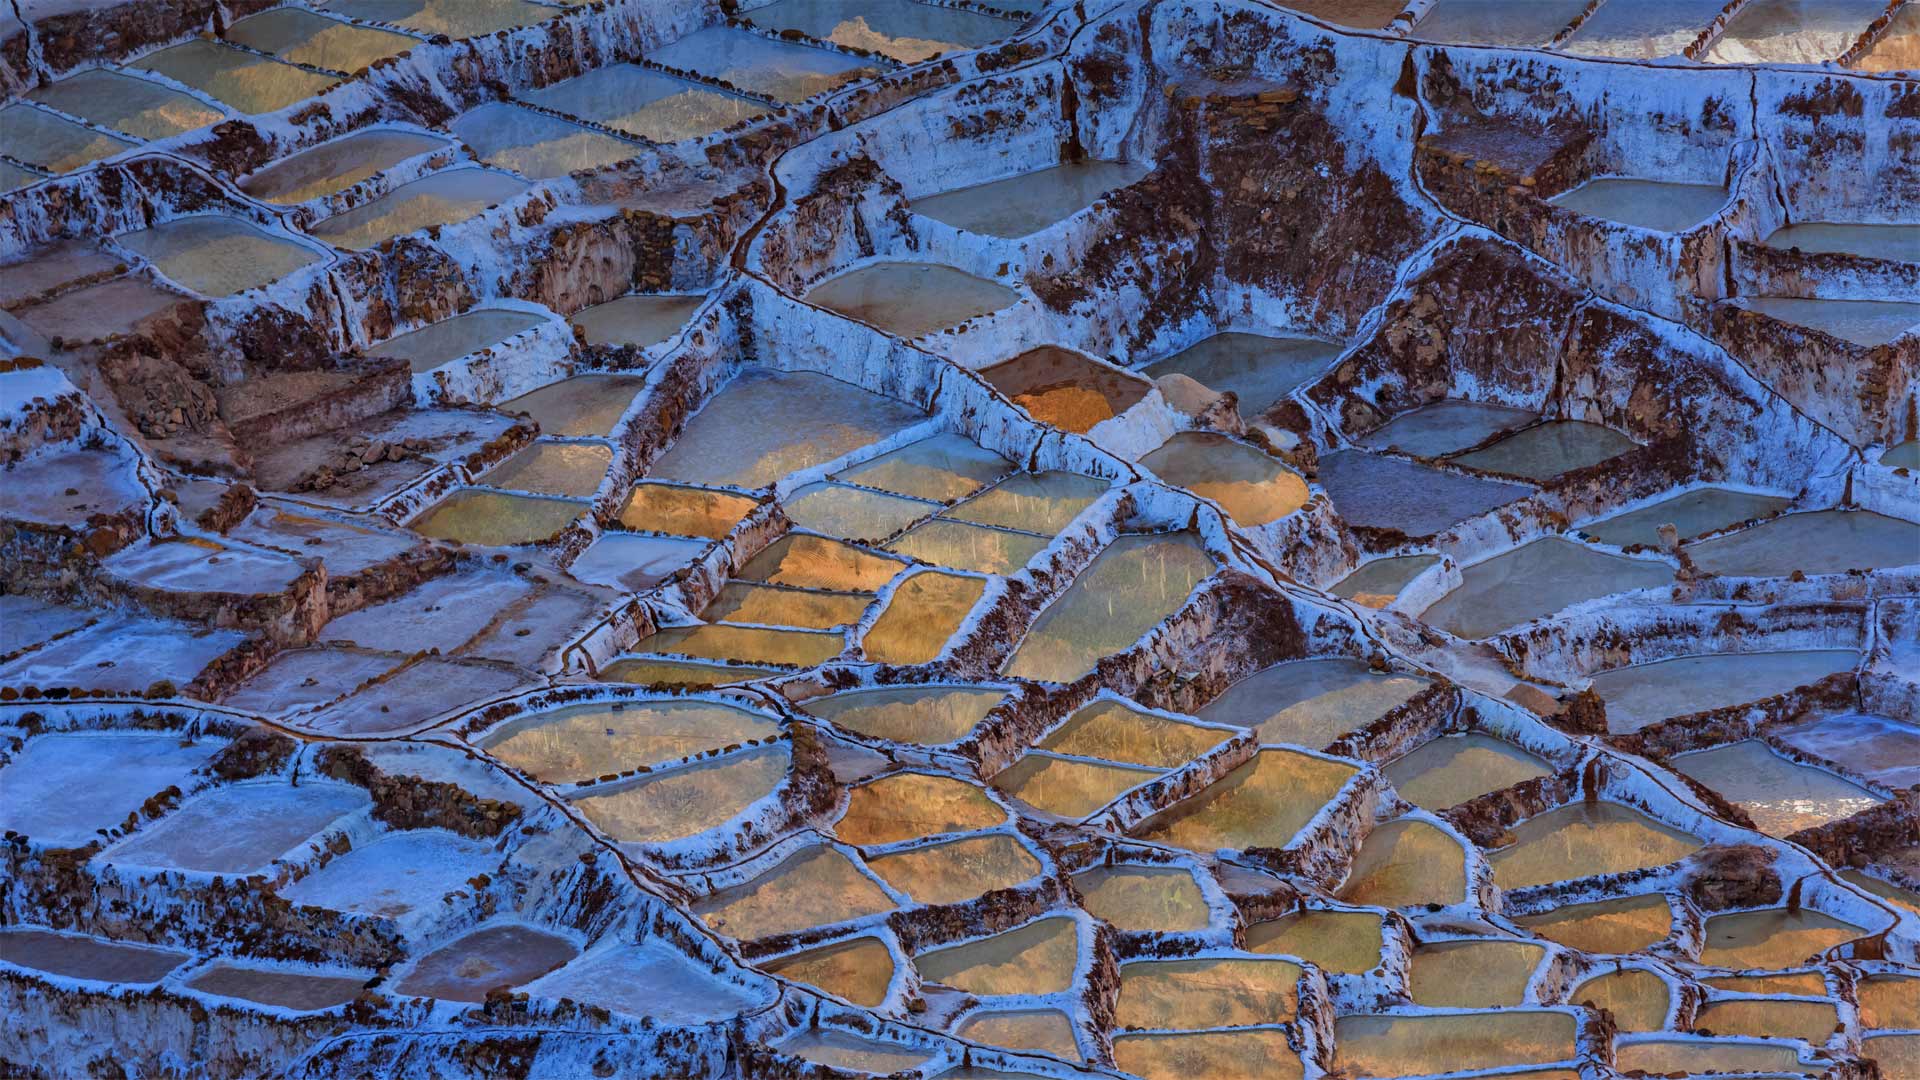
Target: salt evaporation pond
1037, 958
777, 69
1260, 804
1067, 787
450, 339
860, 970
395, 875
1145, 899
750, 435
1646, 693
138, 107
78, 957
1407, 863
245, 81
1897, 242
924, 611
1311, 703
1132, 585
215, 255
302, 37
910, 805
1497, 22
337, 165
1536, 580
939, 469
1546, 450
1862, 322
1791, 32
1216, 992
1878, 748
1586, 839
553, 468
1390, 1046
1781, 796
1623, 925
664, 806
1821, 542
1040, 503
1904, 455
839, 1050
1257, 369
669, 508
819, 886
579, 742
956, 870
1339, 942
1455, 768
454, 18
815, 562
53, 142
238, 830
299, 991
929, 715
1048, 1031
977, 548
853, 513
1023, 205
1388, 493
496, 519
1659, 205
1251, 486
649, 104
910, 32
1066, 389
1692, 513
1116, 731
437, 199
493, 956
1473, 974
911, 299
1378, 582
534, 144
1241, 1054
653, 980
114, 772
582, 406
1771, 938
1446, 427
773, 605
1642, 29
636, 321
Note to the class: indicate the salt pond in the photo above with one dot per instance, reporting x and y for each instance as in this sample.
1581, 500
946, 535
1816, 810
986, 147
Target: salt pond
911, 299
1022, 205
1130, 587
1644, 693
1659, 205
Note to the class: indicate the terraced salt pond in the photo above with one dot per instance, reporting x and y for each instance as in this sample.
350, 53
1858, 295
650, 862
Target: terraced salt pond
217, 256
928, 715
80, 957
1585, 839
782, 71
1623, 925
910, 805
1659, 205
586, 406
910, 32
1642, 29
1863, 322
1145, 899
1546, 450
502, 955
1340, 942
646, 103
454, 18
1446, 427
52, 141
1692, 513
1252, 487
1781, 796
1037, 958
142, 766
202, 835
1379, 582
553, 468
635, 321
298, 991
662, 807
245, 81
1311, 703
911, 299
1821, 542
303, 37
496, 519
860, 970
1391, 1046
1496, 22
1243, 1054
1473, 974
1066, 389
335, 166
579, 742
1260, 804
815, 887
1135, 583
1388, 493
1455, 768
1067, 787
1023, 205
1880, 749
1645, 693
1873, 241
749, 436
443, 342
1771, 938
133, 106
440, 198
1536, 580
1407, 863
957, 870
534, 144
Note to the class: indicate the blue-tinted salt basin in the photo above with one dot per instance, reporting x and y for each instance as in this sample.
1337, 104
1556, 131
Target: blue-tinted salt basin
1389, 493
237, 830
1645, 693
1881, 749
63, 787
1537, 580
394, 875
